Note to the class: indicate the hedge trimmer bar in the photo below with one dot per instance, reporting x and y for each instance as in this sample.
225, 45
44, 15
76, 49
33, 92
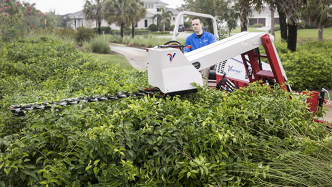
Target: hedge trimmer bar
20, 110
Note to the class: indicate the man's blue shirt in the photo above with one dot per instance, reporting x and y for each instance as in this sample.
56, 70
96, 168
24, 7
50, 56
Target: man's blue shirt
196, 42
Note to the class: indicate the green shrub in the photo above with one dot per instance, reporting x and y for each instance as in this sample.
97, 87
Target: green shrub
84, 34
128, 32
65, 33
99, 44
302, 25
144, 41
276, 28
140, 32
310, 67
104, 29
153, 28
256, 136
257, 25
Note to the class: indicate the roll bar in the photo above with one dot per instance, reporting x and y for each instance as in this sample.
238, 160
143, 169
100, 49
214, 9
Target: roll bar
180, 15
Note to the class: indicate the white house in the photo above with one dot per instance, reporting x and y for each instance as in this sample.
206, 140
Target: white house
264, 17
78, 19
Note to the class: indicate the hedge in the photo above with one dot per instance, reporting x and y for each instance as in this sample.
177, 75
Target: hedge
161, 32
310, 67
256, 136
128, 32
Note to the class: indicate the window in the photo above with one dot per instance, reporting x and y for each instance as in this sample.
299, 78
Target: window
145, 23
149, 5
158, 10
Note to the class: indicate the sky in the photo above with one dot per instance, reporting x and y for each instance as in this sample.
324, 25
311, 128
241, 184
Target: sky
70, 6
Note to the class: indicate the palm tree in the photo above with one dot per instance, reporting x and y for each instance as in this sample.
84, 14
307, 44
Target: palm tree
291, 10
282, 21
318, 12
137, 12
116, 11
244, 7
272, 9
93, 10
163, 17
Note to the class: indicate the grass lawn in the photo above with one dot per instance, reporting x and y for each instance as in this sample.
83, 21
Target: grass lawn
304, 35
113, 59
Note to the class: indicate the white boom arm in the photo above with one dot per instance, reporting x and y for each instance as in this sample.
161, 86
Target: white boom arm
172, 71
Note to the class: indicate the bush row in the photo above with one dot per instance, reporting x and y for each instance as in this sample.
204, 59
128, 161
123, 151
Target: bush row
161, 32
253, 137
128, 32
310, 67
257, 25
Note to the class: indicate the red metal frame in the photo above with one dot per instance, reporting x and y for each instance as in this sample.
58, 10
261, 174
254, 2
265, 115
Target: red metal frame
276, 73
257, 73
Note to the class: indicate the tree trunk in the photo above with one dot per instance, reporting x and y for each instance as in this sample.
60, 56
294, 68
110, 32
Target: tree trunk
283, 23
244, 13
133, 30
121, 30
244, 23
292, 38
320, 32
163, 26
272, 8
99, 27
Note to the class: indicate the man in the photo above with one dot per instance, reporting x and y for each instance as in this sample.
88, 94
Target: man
198, 39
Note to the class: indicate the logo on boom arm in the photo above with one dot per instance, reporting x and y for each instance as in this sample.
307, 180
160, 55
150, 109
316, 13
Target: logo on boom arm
230, 68
171, 57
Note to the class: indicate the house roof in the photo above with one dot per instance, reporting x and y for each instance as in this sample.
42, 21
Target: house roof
151, 14
158, 2
79, 14
175, 12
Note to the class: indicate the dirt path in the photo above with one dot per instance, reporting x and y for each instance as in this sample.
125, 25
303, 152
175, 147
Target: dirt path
136, 57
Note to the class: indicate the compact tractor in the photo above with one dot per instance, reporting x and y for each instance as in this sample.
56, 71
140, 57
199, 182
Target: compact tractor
237, 60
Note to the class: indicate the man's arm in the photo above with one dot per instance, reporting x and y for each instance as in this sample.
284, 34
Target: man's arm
186, 50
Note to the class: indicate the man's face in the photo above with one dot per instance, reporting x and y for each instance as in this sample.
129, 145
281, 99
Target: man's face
197, 25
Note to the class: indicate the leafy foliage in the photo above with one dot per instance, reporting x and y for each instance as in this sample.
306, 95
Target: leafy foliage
153, 27
93, 10
98, 44
209, 138
104, 29
164, 18
84, 34
310, 67
17, 18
